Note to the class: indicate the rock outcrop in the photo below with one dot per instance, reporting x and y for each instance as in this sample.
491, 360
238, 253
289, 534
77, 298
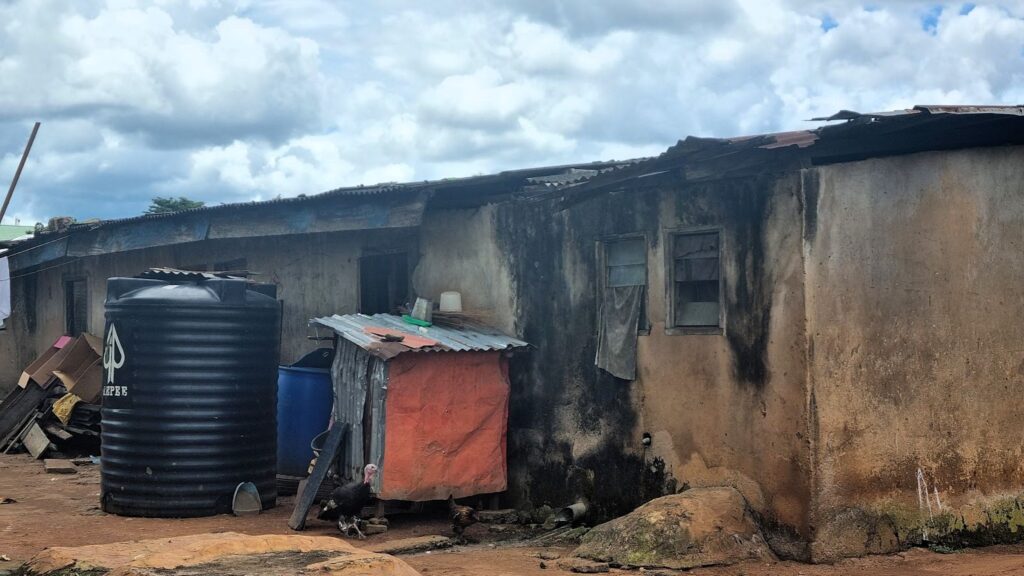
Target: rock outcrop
699, 527
225, 553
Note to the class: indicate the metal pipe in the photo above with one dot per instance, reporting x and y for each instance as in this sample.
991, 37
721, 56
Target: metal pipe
571, 514
17, 173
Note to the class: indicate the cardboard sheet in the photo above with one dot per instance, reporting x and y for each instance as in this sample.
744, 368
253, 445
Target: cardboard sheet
445, 426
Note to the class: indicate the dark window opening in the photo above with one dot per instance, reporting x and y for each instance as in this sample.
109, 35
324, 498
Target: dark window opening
696, 280
76, 307
383, 283
626, 265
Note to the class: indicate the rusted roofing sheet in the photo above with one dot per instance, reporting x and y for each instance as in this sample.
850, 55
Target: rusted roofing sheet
1016, 110
352, 327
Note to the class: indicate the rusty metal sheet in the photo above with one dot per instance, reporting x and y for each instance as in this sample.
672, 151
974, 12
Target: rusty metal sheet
1017, 110
353, 327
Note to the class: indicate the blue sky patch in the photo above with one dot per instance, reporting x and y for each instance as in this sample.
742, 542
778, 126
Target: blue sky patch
930, 19
828, 22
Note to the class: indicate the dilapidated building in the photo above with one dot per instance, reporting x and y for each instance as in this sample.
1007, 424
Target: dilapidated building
827, 320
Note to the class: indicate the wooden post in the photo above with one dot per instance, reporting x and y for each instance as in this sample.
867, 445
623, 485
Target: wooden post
17, 173
307, 494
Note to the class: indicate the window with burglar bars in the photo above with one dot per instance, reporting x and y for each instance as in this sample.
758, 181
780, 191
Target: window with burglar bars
625, 261
76, 306
696, 280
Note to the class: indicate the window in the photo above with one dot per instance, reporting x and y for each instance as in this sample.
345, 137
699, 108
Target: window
625, 261
695, 280
383, 283
76, 306
621, 304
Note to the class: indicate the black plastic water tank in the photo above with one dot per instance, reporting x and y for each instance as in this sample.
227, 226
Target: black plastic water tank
189, 395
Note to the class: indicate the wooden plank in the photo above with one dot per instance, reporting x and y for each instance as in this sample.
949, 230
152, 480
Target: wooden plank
18, 404
58, 466
56, 431
36, 441
16, 434
307, 495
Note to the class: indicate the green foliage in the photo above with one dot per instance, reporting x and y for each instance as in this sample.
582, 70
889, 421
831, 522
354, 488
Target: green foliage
160, 205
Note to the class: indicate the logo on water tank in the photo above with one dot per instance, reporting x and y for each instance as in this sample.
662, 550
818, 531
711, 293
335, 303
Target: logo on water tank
113, 358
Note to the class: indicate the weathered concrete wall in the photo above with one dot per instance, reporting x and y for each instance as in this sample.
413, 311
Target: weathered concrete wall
914, 314
729, 409
316, 275
459, 251
14, 344
722, 409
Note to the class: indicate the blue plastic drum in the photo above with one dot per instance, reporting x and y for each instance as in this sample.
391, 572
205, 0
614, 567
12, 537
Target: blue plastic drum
303, 410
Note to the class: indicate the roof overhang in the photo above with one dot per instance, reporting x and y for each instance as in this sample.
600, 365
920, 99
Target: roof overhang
340, 214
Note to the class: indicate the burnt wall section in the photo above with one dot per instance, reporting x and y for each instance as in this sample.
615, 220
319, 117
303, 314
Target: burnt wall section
573, 428
723, 408
917, 389
729, 408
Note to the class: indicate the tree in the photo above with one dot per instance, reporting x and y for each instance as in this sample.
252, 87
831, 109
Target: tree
160, 205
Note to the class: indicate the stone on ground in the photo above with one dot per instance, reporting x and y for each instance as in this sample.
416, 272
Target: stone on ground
582, 566
411, 545
507, 516
699, 527
57, 466
226, 553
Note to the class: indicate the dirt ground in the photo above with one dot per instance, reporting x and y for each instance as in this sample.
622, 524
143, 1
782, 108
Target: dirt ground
63, 510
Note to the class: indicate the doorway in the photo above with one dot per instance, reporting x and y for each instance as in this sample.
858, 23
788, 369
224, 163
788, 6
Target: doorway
383, 283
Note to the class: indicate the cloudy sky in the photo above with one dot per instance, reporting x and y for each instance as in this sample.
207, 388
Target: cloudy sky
231, 100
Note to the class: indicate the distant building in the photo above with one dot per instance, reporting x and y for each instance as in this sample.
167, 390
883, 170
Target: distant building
10, 232
828, 320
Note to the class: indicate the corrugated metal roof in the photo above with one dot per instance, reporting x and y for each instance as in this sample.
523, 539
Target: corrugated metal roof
353, 327
1014, 110
346, 191
571, 173
174, 274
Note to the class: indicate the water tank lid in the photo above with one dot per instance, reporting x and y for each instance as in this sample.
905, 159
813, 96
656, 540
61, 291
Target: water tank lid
212, 292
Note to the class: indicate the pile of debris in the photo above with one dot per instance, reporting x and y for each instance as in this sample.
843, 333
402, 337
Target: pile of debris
55, 409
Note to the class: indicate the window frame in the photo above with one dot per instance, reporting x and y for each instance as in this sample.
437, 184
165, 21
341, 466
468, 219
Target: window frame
670, 281
644, 324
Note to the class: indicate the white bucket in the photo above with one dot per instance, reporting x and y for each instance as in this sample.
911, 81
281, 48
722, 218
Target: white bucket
450, 302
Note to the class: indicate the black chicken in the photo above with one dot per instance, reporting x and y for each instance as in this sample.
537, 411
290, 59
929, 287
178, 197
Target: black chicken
462, 517
346, 502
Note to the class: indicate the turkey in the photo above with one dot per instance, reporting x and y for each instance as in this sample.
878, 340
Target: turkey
462, 517
346, 502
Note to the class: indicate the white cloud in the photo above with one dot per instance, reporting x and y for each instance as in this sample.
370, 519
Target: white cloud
228, 100
130, 67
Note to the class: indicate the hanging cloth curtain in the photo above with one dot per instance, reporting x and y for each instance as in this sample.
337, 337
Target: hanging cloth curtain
616, 337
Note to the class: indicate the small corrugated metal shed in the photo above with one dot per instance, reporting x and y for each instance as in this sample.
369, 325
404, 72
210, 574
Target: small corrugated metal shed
427, 405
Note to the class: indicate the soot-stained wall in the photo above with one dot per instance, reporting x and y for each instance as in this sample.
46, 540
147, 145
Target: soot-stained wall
726, 408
